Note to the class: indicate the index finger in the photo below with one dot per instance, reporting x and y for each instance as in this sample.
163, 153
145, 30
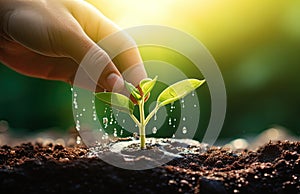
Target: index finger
98, 27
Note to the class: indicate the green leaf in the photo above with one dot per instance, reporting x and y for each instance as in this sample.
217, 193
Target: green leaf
147, 85
178, 90
133, 91
117, 101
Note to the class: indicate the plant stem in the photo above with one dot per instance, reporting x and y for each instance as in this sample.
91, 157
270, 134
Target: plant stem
142, 125
135, 120
151, 114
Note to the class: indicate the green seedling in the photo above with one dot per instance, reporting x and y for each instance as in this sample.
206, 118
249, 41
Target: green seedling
140, 94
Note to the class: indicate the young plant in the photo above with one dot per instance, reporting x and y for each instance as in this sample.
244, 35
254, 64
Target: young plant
139, 96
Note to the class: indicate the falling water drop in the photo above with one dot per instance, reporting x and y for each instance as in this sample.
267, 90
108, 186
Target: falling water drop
94, 115
78, 140
173, 136
71, 89
195, 105
154, 130
193, 93
155, 116
184, 130
182, 103
123, 121
105, 136
121, 132
172, 108
105, 121
115, 132
170, 121
83, 109
183, 118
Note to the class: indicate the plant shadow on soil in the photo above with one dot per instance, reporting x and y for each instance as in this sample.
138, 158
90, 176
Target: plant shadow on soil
53, 168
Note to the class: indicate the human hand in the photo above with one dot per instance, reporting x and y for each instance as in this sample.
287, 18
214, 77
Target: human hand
49, 39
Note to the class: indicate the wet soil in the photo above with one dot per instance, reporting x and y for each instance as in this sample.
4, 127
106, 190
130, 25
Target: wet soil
34, 168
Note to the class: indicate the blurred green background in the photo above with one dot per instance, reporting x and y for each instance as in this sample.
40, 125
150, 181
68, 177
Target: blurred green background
255, 43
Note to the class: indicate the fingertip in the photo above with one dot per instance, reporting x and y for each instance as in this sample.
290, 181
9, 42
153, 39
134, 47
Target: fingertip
115, 82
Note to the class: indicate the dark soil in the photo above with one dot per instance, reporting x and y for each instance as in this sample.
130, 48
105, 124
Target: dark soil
33, 168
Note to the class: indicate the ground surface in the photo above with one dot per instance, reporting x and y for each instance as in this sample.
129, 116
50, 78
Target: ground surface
33, 168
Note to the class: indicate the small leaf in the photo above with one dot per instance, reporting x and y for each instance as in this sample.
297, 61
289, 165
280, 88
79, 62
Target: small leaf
178, 90
117, 101
133, 91
147, 85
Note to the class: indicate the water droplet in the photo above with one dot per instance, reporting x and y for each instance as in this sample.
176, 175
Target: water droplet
78, 140
121, 132
75, 94
94, 115
173, 136
193, 93
184, 130
170, 121
123, 121
71, 89
83, 109
77, 125
154, 130
80, 114
195, 105
155, 116
174, 126
93, 101
105, 120
184, 119
115, 132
